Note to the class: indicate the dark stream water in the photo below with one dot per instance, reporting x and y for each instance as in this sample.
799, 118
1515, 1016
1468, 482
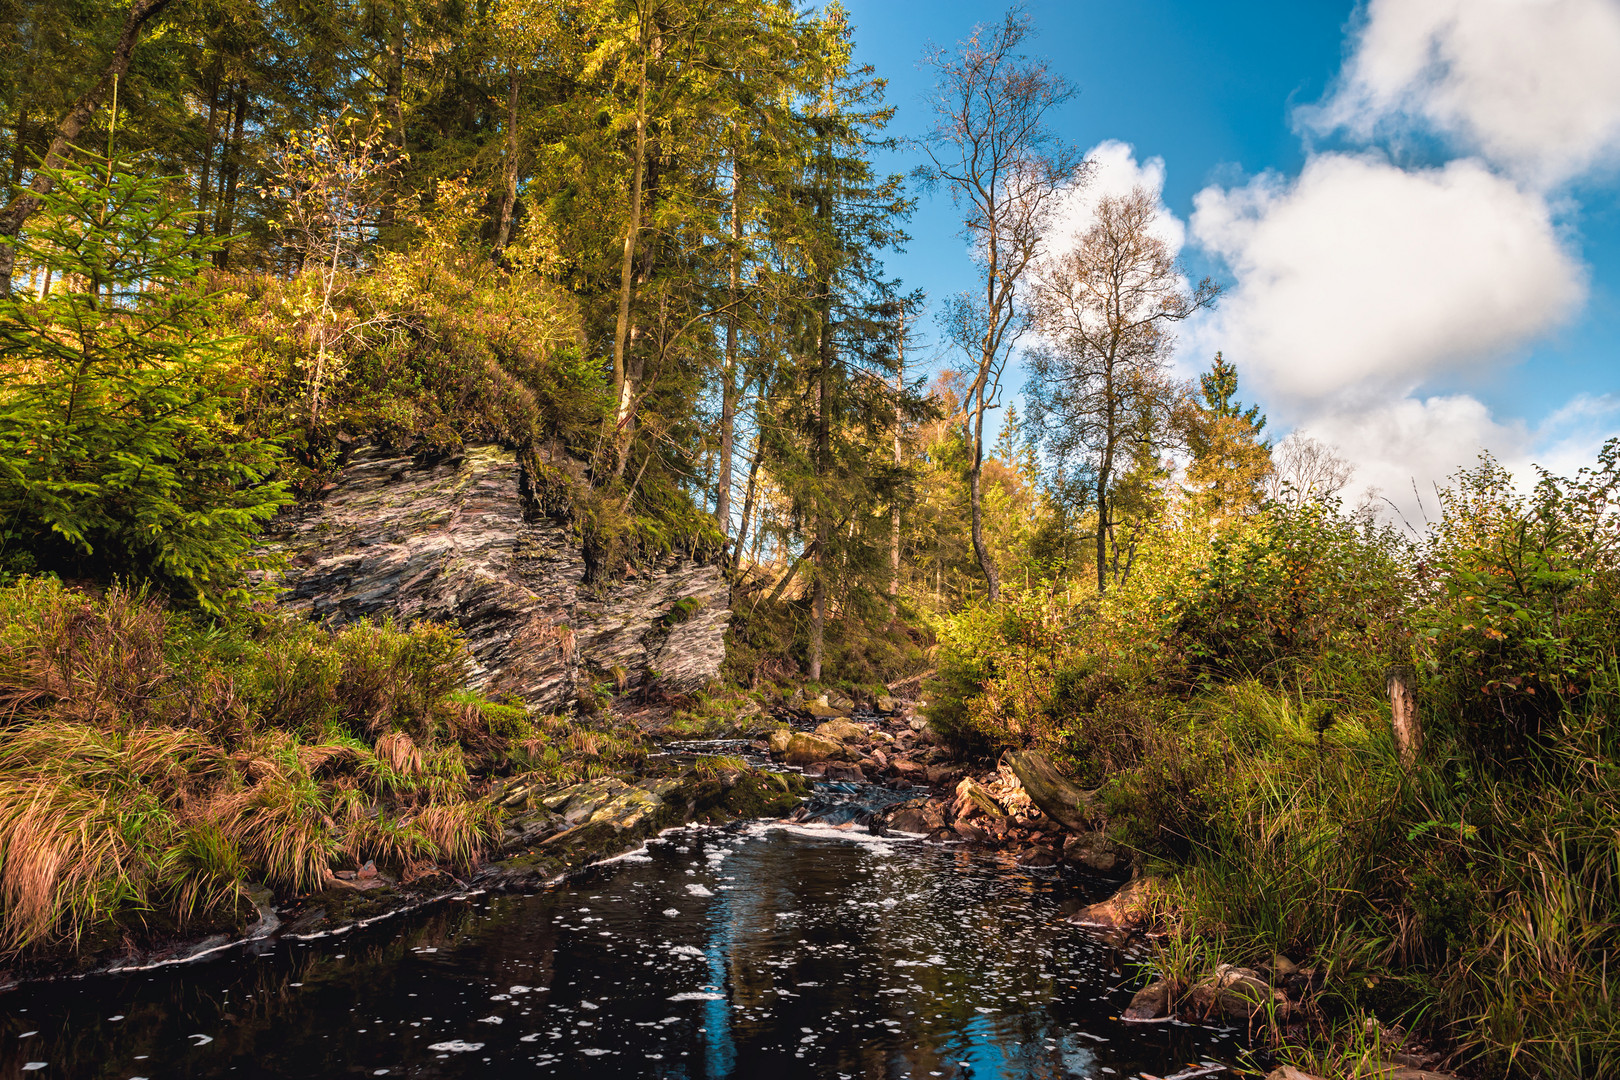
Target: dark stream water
770, 952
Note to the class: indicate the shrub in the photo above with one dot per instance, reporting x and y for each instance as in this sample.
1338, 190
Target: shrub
1525, 612
1295, 591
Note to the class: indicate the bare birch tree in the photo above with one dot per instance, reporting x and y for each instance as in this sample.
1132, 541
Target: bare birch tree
992, 147
1305, 469
1102, 390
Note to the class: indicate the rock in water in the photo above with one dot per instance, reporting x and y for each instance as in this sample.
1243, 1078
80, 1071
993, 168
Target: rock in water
1150, 1002
804, 748
454, 542
779, 740
1096, 851
841, 730
1059, 799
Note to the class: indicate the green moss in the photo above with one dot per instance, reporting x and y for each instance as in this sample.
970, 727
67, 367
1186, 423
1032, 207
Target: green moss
682, 610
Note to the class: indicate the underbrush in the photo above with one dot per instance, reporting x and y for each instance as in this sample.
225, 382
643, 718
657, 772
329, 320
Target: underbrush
153, 765
767, 643
1229, 701
1474, 908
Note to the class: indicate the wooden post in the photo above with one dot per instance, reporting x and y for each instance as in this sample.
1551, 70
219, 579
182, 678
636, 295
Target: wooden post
1401, 682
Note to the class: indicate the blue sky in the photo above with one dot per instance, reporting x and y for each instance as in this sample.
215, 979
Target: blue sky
1414, 206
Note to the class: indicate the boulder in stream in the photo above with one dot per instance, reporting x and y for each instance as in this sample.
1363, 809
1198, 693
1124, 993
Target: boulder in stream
1236, 994
842, 730
1150, 1003
804, 748
1096, 852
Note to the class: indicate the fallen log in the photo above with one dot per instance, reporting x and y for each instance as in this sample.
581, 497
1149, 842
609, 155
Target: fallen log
1060, 800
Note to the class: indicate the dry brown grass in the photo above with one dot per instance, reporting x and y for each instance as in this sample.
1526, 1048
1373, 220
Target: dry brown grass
151, 766
401, 752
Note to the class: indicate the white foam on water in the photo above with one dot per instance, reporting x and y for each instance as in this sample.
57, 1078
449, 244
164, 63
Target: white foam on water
695, 995
636, 855
698, 890
671, 912
687, 950
490, 1020
455, 1046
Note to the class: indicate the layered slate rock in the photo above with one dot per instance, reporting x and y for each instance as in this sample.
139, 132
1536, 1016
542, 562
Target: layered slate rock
453, 541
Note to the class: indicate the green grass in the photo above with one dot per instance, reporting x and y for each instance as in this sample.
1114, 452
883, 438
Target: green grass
1476, 907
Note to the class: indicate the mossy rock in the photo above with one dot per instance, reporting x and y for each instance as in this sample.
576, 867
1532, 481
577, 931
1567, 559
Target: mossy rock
683, 609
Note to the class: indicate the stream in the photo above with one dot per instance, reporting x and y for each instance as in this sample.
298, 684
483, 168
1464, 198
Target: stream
764, 950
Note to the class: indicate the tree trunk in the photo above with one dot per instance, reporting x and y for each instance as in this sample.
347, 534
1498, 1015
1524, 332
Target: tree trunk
19, 209
748, 496
19, 149
503, 235
232, 170
818, 607
894, 509
1102, 530
205, 178
394, 107
728, 372
987, 563
623, 387
1401, 682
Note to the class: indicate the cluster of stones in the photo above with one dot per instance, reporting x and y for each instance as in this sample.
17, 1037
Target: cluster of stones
1023, 806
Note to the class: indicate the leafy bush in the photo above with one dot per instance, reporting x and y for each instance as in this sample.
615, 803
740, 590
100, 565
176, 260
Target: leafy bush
1523, 622
1295, 590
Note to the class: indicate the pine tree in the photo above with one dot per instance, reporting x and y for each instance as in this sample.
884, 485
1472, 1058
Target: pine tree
119, 449
1230, 461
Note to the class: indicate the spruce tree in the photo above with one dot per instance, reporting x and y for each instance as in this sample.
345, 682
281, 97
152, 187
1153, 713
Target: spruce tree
120, 451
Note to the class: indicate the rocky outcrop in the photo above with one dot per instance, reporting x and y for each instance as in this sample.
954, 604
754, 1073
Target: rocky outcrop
453, 541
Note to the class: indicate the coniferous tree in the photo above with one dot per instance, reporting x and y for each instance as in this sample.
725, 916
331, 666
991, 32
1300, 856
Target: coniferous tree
118, 439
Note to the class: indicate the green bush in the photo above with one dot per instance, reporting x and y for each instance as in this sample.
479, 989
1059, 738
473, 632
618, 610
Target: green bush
1525, 613
1300, 590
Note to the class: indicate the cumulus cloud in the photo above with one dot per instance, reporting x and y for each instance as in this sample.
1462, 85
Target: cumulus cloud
1533, 85
1408, 448
1359, 280
1114, 172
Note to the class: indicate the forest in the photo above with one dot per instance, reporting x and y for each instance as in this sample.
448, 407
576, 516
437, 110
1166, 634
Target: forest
643, 244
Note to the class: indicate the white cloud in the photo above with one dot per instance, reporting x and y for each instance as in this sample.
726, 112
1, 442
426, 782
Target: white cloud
1409, 447
1406, 447
1114, 172
1533, 85
1360, 280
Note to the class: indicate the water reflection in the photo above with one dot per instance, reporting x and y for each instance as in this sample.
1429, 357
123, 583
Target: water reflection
769, 952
